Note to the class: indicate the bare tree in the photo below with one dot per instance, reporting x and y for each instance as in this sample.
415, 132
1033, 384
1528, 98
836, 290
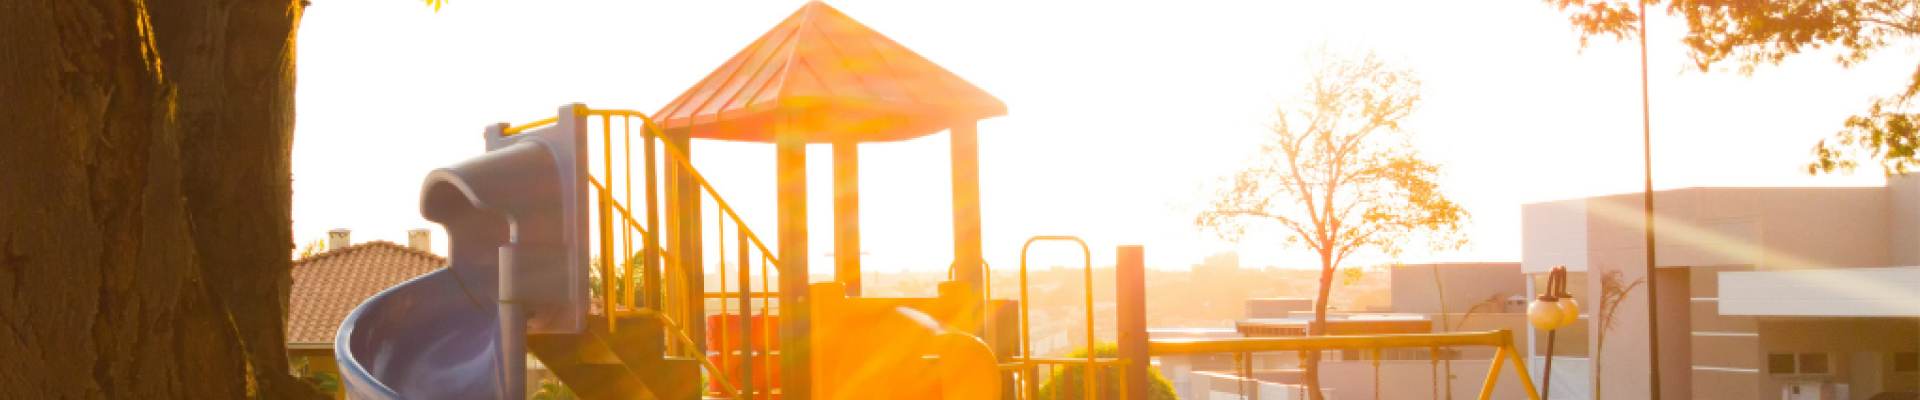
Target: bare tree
1613, 291
1338, 176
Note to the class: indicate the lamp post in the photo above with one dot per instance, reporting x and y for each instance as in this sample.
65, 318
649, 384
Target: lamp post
1549, 312
1653, 276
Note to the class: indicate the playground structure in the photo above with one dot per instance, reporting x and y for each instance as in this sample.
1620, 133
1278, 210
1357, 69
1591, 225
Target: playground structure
549, 210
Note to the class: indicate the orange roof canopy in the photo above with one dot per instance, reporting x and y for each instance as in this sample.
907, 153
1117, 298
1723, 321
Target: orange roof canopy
831, 77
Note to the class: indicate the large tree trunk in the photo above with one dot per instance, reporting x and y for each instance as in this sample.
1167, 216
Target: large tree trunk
1311, 374
144, 206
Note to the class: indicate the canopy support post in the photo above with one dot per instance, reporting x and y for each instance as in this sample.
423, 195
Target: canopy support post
967, 257
846, 214
790, 161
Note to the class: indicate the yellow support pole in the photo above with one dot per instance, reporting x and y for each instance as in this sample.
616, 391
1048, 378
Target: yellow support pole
606, 228
1493, 374
1526, 378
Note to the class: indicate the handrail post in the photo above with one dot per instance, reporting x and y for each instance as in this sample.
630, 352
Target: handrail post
1130, 297
651, 277
606, 225
746, 318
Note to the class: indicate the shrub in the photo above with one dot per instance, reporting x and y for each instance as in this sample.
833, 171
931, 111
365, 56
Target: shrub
1066, 383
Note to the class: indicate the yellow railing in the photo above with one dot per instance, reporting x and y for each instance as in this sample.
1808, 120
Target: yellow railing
617, 228
1501, 340
1027, 363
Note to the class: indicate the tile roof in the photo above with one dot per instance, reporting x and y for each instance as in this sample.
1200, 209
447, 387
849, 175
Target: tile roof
327, 286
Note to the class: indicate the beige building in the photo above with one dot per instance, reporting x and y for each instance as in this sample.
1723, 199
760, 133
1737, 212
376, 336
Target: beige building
1792, 293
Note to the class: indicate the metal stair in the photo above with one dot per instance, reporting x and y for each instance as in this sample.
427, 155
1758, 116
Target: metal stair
627, 362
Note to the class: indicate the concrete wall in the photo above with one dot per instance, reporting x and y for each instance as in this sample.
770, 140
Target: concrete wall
1725, 348
1569, 377
1416, 380
1903, 220
1843, 340
1770, 228
1847, 292
1553, 233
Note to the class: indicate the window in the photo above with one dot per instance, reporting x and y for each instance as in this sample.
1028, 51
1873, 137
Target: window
1797, 363
1813, 363
1780, 363
1907, 362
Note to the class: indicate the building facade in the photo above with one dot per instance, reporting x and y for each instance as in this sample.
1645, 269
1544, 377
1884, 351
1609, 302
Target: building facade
1795, 293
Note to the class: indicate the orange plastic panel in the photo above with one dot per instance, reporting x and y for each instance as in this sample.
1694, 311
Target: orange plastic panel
878, 348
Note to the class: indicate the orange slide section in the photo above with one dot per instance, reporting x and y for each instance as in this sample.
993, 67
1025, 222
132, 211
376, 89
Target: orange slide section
891, 348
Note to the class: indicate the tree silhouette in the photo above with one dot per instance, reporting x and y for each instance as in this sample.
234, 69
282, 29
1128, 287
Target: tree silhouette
1613, 291
1338, 176
1753, 33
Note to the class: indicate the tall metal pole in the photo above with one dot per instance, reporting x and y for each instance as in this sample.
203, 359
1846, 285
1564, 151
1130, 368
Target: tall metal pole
1445, 326
1556, 285
1646, 138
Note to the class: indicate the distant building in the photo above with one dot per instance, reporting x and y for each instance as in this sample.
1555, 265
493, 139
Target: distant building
1795, 293
1478, 297
328, 286
1277, 308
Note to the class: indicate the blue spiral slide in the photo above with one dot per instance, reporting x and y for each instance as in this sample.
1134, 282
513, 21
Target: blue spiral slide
516, 227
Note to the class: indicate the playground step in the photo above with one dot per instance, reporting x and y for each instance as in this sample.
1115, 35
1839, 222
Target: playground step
672, 378
625, 362
635, 338
601, 381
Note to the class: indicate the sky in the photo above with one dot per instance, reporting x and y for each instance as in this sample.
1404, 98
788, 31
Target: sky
1117, 111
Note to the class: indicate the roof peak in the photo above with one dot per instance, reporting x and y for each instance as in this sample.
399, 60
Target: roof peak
363, 246
832, 77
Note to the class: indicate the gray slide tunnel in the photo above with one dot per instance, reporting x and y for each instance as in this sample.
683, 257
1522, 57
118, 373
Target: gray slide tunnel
515, 228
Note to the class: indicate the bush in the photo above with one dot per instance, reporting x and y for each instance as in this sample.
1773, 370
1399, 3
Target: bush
1066, 383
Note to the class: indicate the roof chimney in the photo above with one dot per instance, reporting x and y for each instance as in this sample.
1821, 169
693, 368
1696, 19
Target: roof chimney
339, 238
420, 239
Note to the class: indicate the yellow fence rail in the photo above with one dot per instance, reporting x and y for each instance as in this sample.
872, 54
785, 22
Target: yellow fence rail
1502, 340
616, 227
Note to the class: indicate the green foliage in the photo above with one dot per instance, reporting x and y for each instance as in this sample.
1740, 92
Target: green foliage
619, 286
1350, 276
316, 246
1067, 384
553, 390
301, 367
1752, 33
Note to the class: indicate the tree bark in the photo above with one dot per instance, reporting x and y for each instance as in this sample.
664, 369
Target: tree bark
144, 210
1311, 376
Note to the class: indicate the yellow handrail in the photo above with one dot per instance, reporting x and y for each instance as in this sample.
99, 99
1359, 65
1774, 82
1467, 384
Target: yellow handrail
675, 153
530, 125
606, 195
682, 334
1501, 340
1026, 342
678, 156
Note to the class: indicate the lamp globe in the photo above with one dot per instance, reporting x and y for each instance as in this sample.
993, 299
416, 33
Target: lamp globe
1544, 313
